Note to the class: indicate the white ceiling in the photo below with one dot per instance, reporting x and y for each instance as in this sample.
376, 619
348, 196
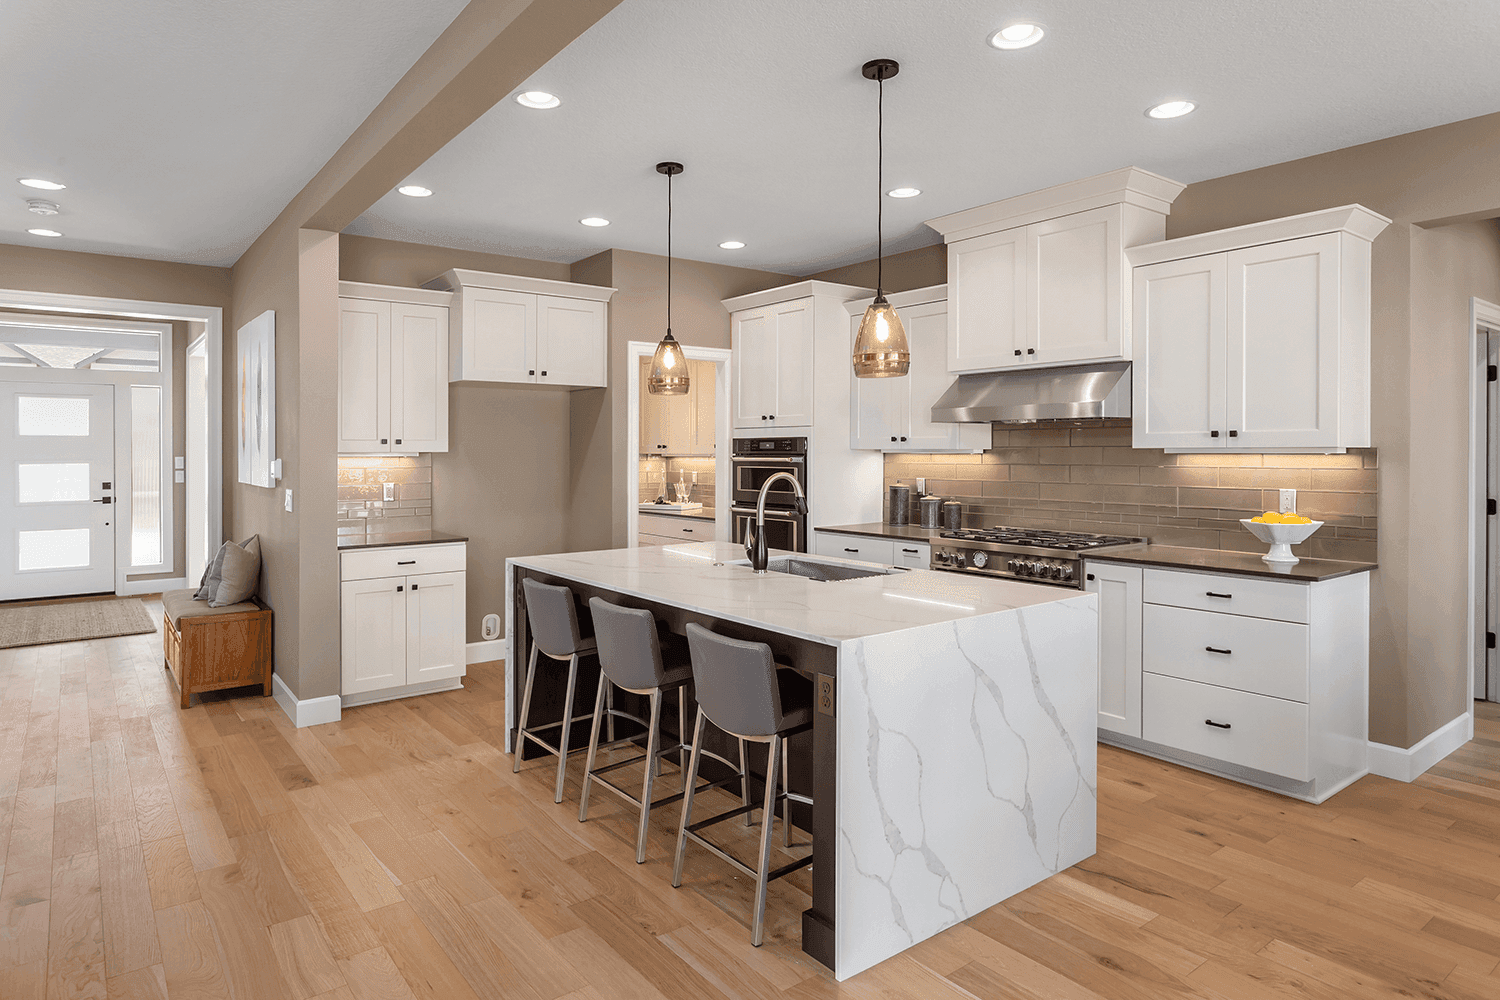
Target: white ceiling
183, 127
763, 102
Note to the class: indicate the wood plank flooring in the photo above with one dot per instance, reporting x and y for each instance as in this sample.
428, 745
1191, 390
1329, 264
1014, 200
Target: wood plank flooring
148, 852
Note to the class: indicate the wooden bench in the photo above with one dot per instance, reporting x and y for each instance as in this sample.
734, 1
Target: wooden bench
209, 649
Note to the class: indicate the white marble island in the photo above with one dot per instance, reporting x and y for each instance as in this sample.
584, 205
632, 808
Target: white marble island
958, 766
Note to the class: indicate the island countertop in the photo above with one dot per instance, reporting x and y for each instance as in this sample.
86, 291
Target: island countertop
714, 578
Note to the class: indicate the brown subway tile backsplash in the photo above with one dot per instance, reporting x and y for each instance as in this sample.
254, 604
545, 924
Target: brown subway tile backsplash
362, 507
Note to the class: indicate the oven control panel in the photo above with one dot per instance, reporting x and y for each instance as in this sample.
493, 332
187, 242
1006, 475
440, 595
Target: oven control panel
1060, 572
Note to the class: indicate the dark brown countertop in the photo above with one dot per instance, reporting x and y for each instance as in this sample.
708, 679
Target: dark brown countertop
704, 513
348, 543
879, 529
1224, 561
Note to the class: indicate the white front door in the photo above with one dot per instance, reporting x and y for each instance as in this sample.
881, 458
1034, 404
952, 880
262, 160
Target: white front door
57, 489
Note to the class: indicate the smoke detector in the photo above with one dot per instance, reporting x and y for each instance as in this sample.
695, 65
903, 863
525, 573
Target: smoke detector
43, 207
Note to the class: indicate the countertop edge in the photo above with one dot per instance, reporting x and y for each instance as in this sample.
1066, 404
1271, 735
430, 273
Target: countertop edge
1327, 569
406, 543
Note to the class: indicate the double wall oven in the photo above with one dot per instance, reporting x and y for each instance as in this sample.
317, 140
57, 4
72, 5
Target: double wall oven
752, 463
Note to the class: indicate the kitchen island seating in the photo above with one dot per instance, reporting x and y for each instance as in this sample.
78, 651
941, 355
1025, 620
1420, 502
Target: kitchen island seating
742, 692
632, 659
553, 616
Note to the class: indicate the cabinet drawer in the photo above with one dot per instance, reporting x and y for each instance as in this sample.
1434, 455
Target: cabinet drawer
370, 564
1267, 734
1235, 595
911, 555
875, 550
1248, 654
679, 529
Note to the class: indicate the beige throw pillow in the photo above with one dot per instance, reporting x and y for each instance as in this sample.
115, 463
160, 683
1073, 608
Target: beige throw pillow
208, 586
240, 573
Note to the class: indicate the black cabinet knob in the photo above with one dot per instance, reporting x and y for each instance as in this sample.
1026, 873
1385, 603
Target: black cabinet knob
1018, 352
1234, 434
399, 589
1031, 350
414, 586
1213, 434
398, 440
384, 441
544, 373
903, 439
531, 372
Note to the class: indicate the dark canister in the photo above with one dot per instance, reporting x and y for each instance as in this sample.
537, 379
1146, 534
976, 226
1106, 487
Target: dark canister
931, 507
953, 515
900, 505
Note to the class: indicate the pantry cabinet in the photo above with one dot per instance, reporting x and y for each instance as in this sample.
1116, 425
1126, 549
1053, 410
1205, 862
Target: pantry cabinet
895, 414
392, 378
1256, 339
1040, 279
515, 329
401, 620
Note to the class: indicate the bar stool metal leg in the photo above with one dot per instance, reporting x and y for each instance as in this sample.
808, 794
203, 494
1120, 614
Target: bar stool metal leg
525, 712
689, 784
588, 767
786, 787
567, 727
745, 783
763, 865
653, 766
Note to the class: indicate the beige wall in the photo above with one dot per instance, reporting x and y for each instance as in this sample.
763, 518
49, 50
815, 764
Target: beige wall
409, 265
919, 268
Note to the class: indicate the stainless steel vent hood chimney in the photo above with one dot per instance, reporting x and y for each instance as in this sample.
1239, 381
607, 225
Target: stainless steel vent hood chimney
1075, 393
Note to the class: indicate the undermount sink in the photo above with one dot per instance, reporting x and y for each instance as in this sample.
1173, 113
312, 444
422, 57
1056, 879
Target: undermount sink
817, 569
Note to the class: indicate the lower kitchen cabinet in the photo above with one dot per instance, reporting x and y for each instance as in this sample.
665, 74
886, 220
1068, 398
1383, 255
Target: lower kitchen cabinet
1258, 680
656, 529
885, 551
401, 615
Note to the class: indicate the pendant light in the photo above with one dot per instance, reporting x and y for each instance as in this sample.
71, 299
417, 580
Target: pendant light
669, 369
881, 349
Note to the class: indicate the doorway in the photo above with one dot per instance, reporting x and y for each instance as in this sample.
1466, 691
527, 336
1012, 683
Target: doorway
1484, 479
57, 488
201, 543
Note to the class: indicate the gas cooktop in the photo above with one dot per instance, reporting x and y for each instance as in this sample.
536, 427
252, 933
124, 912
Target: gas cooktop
1066, 541
1031, 554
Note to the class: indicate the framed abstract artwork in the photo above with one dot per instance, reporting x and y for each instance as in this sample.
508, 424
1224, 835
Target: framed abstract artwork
255, 348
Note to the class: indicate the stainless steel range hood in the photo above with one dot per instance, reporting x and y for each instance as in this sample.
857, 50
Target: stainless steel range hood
1077, 393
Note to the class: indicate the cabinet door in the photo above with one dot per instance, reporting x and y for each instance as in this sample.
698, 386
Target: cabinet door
570, 341
1178, 392
373, 628
682, 419
653, 429
911, 555
1283, 342
364, 376
1119, 590
499, 336
435, 647
986, 284
1073, 303
419, 380
705, 391
794, 364
754, 342
927, 332
878, 407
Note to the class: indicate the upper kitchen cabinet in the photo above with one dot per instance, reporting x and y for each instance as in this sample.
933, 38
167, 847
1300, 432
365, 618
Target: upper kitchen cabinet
393, 380
1256, 339
895, 414
776, 338
679, 426
1039, 279
509, 328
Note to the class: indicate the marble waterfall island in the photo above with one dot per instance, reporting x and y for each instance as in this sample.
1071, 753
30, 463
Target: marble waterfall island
955, 765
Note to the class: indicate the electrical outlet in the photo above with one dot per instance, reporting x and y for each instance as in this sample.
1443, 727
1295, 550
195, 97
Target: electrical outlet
390, 491
1288, 502
289, 501
825, 694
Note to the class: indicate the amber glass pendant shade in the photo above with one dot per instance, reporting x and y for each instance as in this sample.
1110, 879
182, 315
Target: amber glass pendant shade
880, 349
669, 369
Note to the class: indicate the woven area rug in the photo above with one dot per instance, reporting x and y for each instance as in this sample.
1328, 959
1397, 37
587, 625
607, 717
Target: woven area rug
39, 624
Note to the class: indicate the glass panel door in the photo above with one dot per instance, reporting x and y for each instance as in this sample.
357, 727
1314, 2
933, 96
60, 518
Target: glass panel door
57, 485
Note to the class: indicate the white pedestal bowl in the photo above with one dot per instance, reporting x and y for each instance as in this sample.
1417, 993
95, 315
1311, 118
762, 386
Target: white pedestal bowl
1281, 538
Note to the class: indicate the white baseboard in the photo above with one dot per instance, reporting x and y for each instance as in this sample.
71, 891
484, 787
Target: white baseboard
308, 712
404, 691
1409, 764
132, 588
484, 652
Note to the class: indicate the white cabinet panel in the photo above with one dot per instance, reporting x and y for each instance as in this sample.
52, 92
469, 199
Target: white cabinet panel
1249, 654
911, 555
876, 550
1251, 730
419, 377
1235, 595
373, 630
754, 338
1119, 590
987, 286
1074, 304
705, 394
364, 376
794, 364
1180, 375
435, 647
498, 342
678, 529
570, 345
367, 564
773, 351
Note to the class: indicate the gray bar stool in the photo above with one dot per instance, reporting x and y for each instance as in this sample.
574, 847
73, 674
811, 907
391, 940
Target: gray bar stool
554, 631
630, 653
741, 691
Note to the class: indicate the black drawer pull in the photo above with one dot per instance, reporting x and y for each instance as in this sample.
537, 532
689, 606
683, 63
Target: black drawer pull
912, 551
1210, 593
406, 562
688, 530
851, 550
1211, 649
1216, 725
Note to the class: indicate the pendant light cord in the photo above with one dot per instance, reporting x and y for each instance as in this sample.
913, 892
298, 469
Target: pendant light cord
669, 255
880, 198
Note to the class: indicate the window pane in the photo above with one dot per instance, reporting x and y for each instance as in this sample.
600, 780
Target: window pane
145, 475
52, 416
58, 548
53, 483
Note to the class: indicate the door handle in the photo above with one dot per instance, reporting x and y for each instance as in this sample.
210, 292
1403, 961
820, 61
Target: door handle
398, 440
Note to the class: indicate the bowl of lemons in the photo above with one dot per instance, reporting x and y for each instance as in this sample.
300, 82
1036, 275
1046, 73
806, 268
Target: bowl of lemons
1281, 532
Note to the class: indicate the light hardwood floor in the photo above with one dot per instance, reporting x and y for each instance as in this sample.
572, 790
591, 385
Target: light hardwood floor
220, 853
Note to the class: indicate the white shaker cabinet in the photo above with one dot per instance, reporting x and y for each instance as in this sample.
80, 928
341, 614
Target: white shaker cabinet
895, 414
1119, 590
679, 426
401, 612
773, 371
1256, 339
511, 328
392, 378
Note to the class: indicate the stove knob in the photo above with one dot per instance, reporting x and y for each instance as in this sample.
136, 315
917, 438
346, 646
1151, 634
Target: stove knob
1067, 571
1014, 565
1055, 570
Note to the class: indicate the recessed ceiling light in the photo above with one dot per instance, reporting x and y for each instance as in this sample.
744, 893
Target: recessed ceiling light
1017, 36
539, 99
731, 245
41, 185
1170, 109
415, 191
44, 232
594, 220
904, 192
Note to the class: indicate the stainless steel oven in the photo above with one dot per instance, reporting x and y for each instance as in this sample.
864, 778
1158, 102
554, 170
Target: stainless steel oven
785, 529
753, 462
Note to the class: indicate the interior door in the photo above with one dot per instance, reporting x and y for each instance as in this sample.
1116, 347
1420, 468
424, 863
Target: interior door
435, 647
1179, 388
57, 489
570, 339
419, 377
1487, 673
364, 376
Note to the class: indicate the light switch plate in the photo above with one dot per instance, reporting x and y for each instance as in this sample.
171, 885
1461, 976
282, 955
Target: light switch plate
390, 491
276, 470
289, 501
1288, 502
178, 462
180, 476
